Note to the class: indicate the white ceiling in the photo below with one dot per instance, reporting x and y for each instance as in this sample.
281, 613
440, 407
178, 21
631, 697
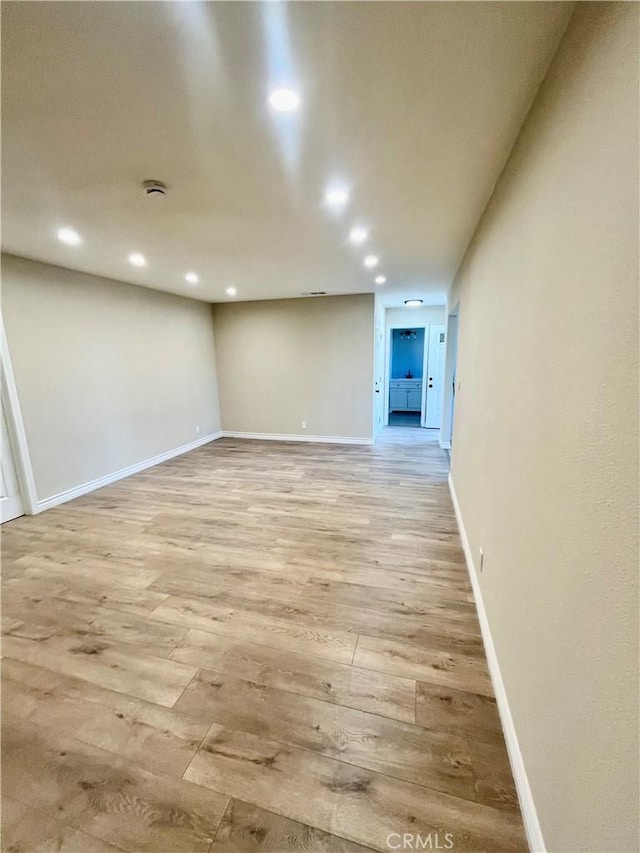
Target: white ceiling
414, 105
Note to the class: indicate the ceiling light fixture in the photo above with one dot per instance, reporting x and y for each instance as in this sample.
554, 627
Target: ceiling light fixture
413, 303
358, 235
69, 236
231, 291
336, 196
285, 100
154, 189
371, 261
380, 279
137, 259
192, 278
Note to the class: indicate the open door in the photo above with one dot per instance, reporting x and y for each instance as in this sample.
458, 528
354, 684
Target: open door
378, 373
434, 378
10, 499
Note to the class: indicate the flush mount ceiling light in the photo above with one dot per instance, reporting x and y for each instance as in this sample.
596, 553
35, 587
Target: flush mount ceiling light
380, 279
358, 235
371, 261
231, 291
192, 278
285, 100
336, 196
154, 189
137, 259
69, 236
413, 303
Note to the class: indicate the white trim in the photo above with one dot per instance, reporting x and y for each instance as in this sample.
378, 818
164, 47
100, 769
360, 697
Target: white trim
425, 370
17, 434
527, 804
316, 439
91, 486
387, 374
450, 374
445, 445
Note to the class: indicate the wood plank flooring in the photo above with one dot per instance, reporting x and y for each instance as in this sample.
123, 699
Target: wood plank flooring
257, 646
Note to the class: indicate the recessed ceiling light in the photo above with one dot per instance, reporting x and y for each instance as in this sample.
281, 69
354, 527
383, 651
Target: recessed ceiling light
191, 277
358, 235
69, 236
371, 261
285, 100
231, 291
413, 303
380, 279
137, 259
336, 196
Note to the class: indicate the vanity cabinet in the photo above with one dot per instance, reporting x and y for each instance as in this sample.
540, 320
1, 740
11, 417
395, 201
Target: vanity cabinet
405, 395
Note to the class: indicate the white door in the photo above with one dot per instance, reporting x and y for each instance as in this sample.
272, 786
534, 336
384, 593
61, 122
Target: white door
435, 377
378, 374
10, 500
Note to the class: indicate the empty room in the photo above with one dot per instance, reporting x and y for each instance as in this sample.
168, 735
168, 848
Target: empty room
319, 486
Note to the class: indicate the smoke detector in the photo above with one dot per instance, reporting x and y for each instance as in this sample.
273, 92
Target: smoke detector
154, 189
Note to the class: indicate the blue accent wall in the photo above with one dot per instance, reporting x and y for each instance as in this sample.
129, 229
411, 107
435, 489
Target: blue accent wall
407, 355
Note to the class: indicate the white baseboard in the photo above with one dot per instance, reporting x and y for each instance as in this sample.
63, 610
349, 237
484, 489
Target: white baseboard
316, 439
91, 486
525, 796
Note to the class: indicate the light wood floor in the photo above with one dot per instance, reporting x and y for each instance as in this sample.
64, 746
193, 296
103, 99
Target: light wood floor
256, 646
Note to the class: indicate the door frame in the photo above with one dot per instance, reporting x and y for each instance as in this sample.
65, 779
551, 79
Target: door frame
425, 368
15, 427
450, 376
387, 367
379, 318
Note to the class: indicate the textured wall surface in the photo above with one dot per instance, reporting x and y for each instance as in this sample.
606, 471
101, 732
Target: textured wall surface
108, 374
287, 360
545, 449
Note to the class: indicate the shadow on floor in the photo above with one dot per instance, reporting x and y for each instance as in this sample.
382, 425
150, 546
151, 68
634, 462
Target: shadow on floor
404, 419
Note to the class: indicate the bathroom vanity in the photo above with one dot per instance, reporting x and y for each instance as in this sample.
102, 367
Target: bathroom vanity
405, 395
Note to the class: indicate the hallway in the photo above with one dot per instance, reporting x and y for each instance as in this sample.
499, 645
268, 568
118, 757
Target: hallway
266, 645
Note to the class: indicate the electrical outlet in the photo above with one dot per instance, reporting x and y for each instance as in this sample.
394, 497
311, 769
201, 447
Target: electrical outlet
481, 559
197, 430
303, 424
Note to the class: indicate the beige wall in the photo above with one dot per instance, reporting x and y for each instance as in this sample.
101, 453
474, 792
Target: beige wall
545, 452
287, 360
432, 314
108, 374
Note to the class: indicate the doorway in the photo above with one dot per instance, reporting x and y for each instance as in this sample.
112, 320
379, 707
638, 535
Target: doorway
10, 498
451, 382
406, 377
415, 373
18, 495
